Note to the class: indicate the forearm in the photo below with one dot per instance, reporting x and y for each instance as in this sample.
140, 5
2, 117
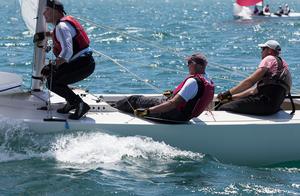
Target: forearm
244, 85
59, 61
168, 105
164, 107
48, 33
245, 93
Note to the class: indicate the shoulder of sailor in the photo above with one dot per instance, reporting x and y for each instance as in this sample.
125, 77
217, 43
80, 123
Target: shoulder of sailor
64, 25
268, 61
190, 82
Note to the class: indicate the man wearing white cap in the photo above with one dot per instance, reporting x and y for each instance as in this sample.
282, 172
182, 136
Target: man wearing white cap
263, 92
286, 10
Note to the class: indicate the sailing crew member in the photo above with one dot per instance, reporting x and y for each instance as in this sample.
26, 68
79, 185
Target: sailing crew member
74, 60
279, 11
266, 10
286, 10
188, 100
263, 92
256, 10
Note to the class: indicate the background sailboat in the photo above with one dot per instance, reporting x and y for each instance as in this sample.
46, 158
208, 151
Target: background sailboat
242, 10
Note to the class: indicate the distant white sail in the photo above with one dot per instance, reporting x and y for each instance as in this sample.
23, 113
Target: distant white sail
29, 9
241, 12
260, 4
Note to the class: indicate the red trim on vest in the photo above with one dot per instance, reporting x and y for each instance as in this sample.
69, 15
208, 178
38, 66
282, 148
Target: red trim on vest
204, 98
80, 41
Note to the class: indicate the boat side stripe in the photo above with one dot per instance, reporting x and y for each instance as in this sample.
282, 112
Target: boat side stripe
2, 90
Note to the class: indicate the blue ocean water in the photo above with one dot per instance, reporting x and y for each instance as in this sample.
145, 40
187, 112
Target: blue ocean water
149, 40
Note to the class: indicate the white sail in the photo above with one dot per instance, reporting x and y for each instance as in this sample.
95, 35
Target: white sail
29, 9
241, 12
260, 4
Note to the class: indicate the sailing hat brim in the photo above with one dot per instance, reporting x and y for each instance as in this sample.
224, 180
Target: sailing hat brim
271, 44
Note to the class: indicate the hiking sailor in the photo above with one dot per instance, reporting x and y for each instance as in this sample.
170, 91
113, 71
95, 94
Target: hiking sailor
286, 10
74, 60
266, 10
263, 92
279, 11
188, 100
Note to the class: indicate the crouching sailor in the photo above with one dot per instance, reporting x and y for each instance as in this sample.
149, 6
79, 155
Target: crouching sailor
74, 60
188, 100
263, 92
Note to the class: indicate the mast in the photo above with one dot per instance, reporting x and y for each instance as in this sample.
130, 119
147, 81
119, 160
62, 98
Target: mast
39, 51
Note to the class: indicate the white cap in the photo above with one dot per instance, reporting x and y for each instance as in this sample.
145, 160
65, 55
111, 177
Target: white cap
271, 44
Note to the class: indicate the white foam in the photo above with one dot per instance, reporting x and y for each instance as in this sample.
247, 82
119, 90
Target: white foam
11, 131
90, 148
84, 148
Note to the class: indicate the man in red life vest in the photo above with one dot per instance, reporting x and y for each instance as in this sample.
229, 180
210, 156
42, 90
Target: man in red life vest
74, 60
188, 100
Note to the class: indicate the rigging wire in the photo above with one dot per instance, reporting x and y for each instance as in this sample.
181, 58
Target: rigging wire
166, 49
140, 79
186, 72
123, 67
155, 45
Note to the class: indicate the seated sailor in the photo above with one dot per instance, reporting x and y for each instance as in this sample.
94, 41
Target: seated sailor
279, 11
266, 10
286, 10
263, 92
188, 100
255, 10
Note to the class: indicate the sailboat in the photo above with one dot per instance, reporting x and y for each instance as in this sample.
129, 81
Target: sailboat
241, 10
230, 138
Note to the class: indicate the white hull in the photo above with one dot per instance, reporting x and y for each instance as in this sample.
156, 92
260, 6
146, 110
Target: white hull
291, 15
231, 138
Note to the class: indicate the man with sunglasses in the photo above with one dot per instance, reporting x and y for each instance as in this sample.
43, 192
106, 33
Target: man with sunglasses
188, 100
263, 92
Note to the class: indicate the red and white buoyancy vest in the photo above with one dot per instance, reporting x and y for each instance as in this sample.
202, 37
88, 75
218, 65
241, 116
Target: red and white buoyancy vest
198, 104
80, 40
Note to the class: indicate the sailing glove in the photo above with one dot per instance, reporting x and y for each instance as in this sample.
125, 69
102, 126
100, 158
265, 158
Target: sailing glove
46, 71
38, 37
225, 96
141, 112
168, 93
